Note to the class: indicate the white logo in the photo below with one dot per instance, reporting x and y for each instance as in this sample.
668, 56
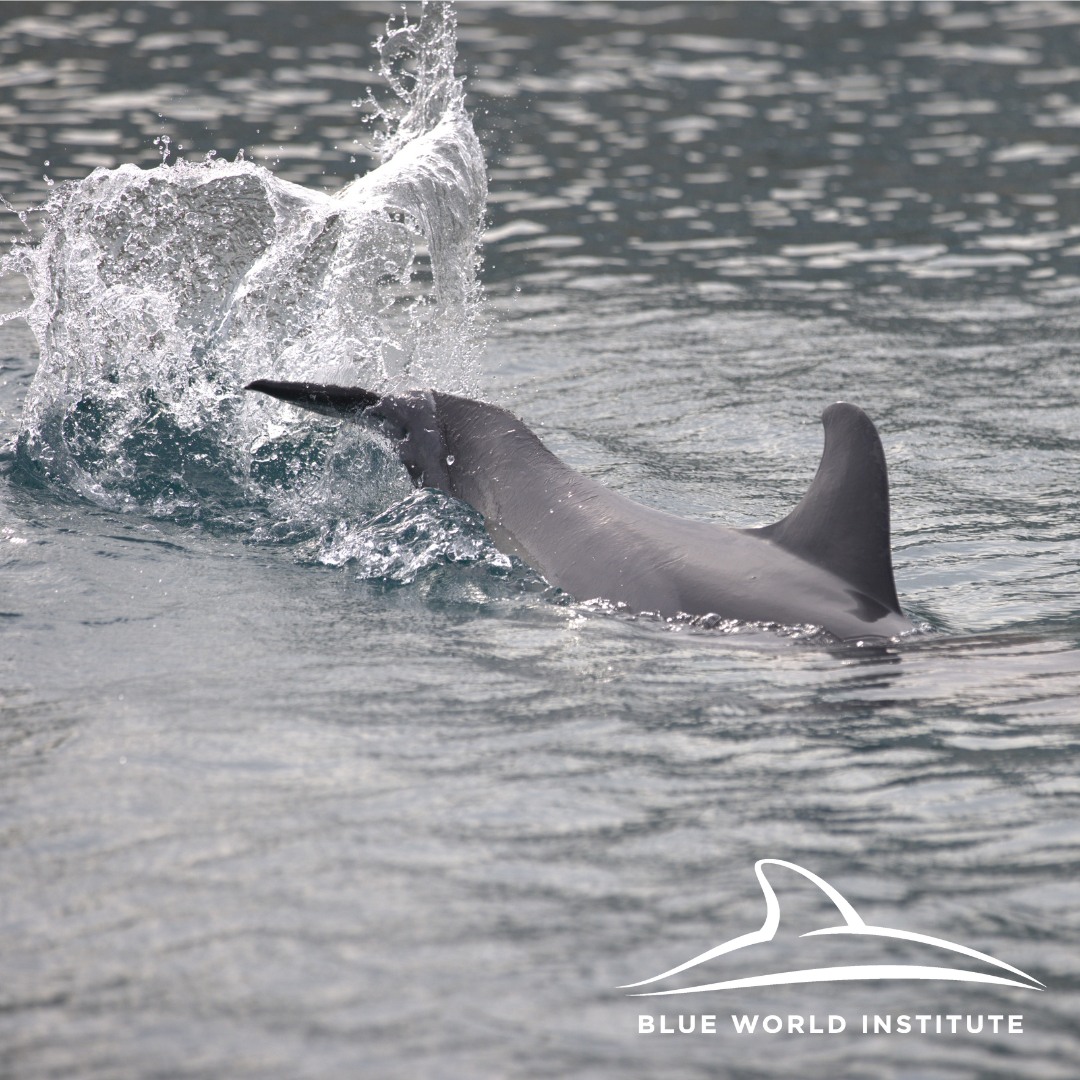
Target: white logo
853, 925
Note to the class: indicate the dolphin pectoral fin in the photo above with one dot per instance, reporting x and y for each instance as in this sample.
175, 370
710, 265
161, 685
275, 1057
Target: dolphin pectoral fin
329, 400
842, 522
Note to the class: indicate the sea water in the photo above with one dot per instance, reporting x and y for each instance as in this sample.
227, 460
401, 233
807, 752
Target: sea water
301, 775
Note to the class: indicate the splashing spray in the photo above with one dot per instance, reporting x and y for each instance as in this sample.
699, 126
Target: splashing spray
158, 293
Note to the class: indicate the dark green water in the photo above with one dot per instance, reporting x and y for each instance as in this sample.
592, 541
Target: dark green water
300, 778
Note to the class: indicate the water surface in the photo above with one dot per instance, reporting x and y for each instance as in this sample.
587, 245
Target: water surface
302, 777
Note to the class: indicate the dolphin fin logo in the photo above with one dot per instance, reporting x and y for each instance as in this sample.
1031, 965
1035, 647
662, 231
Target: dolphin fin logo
852, 925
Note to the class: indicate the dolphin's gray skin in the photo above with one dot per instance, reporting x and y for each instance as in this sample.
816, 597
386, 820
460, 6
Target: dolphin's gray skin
827, 563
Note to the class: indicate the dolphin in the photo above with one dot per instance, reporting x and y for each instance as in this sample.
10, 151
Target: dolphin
828, 563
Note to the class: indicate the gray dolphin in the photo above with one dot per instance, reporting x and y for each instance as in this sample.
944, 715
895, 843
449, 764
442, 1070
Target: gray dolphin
828, 563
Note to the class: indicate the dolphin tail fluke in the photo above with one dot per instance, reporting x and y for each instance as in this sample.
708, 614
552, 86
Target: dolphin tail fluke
328, 400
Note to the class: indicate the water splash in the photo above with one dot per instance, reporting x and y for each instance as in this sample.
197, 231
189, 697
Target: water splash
158, 293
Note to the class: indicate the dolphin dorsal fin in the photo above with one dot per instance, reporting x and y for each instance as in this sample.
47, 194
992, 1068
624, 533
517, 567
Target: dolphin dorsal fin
842, 523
